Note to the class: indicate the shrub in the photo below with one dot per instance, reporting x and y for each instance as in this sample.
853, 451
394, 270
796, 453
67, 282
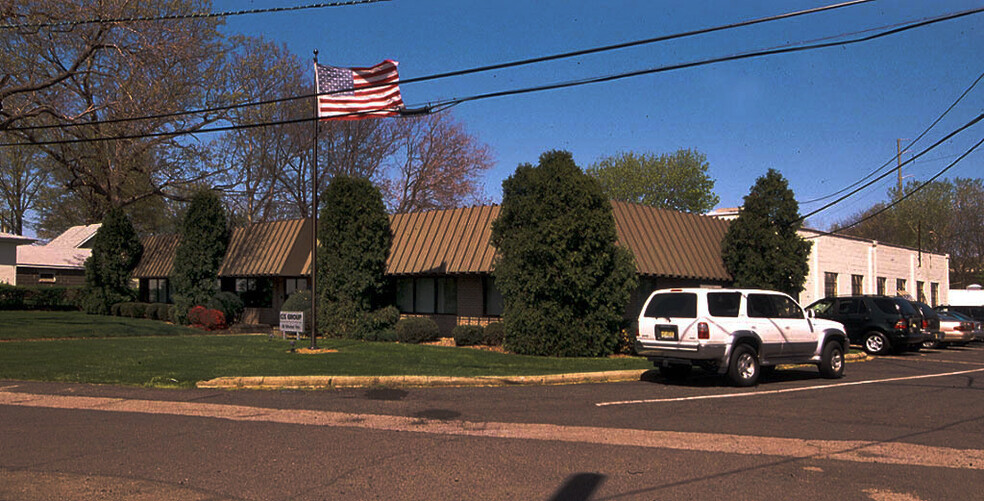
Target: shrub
139, 309
126, 309
163, 311
494, 334
384, 318
300, 301
211, 319
417, 330
468, 335
150, 311
382, 336
172, 313
626, 339
115, 309
229, 303
195, 315
11, 297
50, 298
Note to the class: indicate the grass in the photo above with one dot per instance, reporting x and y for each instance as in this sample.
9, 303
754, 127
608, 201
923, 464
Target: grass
53, 346
75, 324
183, 360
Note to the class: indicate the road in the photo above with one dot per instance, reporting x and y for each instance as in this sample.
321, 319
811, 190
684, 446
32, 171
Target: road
895, 428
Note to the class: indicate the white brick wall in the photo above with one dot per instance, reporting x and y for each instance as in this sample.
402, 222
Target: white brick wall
871, 259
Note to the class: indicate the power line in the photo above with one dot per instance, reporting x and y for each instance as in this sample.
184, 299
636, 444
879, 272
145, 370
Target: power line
894, 158
879, 178
441, 105
492, 67
194, 15
906, 196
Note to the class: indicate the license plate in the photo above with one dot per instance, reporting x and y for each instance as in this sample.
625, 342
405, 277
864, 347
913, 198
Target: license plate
666, 333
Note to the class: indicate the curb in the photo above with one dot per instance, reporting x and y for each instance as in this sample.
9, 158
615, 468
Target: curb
334, 382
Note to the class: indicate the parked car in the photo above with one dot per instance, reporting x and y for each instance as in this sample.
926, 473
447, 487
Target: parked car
879, 324
930, 324
738, 332
957, 311
955, 330
975, 312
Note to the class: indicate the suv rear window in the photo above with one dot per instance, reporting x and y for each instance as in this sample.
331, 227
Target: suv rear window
673, 305
894, 307
723, 304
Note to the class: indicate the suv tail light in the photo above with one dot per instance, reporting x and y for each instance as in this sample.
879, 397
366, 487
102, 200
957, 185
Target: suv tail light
925, 324
902, 325
703, 331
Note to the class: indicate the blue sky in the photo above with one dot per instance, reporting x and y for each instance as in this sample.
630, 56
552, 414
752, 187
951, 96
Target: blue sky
823, 118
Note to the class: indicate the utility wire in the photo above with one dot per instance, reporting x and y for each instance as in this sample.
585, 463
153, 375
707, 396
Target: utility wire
492, 67
452, 102
879, 178
194, 15
904, 197
895, 158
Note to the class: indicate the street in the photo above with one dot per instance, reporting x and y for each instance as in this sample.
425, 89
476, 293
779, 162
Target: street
907, 427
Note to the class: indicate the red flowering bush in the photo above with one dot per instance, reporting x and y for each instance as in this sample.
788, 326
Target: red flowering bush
206, 318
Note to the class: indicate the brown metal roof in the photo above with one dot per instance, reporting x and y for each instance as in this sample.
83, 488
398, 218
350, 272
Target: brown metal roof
279, 248
668, 243
158, 256
665, 243
451, 241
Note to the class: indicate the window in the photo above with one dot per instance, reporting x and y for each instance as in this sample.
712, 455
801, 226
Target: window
900, 287
46, 277
158, 290
723, 304
427, 295
673, 305
934, 294
882, 286
761, 306
829, 284
920, 291
857, 285
785, 307
292, 285
822, 306
491, 298
256, 292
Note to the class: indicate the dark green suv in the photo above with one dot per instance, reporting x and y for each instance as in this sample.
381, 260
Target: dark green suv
880, 324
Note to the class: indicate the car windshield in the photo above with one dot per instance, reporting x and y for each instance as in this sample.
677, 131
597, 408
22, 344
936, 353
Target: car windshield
949, 316
956, 315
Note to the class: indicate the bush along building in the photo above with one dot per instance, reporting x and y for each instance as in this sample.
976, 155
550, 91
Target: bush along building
441, 261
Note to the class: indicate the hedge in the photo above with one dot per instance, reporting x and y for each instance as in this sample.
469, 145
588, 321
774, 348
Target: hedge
468, 335
417, 330
38, 297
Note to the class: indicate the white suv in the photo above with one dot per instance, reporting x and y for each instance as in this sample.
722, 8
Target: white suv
738, 332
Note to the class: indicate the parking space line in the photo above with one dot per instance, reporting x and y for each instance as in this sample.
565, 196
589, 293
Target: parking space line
785, 390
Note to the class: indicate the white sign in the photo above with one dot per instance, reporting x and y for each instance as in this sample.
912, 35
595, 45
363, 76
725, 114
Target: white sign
292, 321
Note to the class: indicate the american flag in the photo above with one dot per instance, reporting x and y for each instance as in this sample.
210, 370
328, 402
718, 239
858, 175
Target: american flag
345, 93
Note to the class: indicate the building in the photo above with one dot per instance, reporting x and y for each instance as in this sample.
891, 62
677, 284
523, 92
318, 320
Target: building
60, 262
842, 265
441, 261
8, 256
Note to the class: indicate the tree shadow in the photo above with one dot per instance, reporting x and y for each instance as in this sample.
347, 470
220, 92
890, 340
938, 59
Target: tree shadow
578, 487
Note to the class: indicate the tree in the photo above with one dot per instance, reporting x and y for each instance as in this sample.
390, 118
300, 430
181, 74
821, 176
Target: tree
22, 177
355, 238
762, 248
677, 181
204, 238
437, 164
966, 248
116, 250
564, 282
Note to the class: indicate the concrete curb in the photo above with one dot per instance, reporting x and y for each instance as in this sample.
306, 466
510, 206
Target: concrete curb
332, 382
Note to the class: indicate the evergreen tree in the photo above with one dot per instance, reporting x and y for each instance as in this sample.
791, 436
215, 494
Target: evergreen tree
564, 282
116, 250
204, 238
762, 248
355, 237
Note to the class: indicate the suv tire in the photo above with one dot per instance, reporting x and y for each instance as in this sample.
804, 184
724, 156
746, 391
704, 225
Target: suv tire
875, 343
744, 369
832, 361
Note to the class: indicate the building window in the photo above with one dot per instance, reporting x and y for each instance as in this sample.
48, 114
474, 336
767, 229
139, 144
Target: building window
934, 294
292, 285
491, 298
857, 285
158, 290
427, 295
920, 292
256, 292
882, 285
829, 284
900, 288
46, 277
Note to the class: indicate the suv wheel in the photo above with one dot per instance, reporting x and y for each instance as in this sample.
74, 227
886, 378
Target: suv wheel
875, 343
832, 361
744, 368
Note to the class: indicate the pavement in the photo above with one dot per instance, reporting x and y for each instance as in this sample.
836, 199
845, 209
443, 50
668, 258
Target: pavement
407, 381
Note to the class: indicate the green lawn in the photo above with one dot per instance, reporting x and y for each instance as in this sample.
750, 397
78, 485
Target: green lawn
75, 324
143, 358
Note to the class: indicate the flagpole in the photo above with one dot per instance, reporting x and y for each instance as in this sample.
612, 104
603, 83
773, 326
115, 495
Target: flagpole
314, 217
